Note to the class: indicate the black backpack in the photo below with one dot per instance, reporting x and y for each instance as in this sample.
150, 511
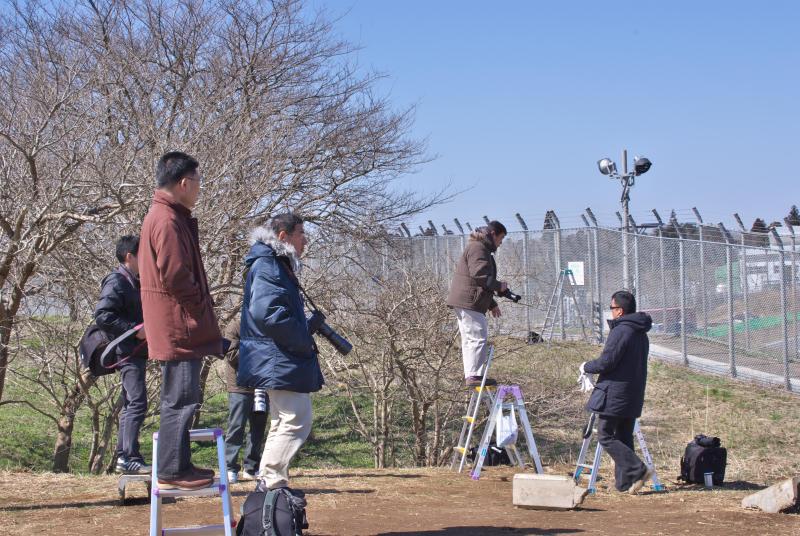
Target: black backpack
91, 346
704, 455
494, 455
277, 512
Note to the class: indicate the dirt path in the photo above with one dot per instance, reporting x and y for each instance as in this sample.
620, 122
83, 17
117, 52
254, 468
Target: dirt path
387, 503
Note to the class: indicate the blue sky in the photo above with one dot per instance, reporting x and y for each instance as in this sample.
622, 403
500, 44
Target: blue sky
518, 100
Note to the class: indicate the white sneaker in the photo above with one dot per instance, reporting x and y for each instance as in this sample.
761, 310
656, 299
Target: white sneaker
639, 484
247, 475
233, 478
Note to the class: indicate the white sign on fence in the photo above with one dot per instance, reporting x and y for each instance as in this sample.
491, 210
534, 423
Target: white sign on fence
577, 271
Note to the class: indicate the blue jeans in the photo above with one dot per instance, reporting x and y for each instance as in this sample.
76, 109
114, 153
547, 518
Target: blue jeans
240, 412
180, 398
134, 407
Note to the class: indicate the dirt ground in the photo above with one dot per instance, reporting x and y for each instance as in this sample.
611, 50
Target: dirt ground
390, 503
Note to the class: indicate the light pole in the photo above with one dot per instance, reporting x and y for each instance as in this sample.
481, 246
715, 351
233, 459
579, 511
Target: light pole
640, 166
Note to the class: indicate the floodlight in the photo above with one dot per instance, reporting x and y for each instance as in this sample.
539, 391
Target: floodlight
641, 165
607, 166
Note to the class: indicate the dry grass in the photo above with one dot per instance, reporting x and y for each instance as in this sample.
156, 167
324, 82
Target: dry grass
759, 426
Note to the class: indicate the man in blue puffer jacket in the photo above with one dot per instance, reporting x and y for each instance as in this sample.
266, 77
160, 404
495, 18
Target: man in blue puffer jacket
276, 351
618, 396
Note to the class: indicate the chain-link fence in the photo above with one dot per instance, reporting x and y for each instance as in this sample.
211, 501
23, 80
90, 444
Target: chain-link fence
726, 306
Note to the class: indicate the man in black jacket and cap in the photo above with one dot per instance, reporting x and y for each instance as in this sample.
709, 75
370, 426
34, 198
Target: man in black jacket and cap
618, 396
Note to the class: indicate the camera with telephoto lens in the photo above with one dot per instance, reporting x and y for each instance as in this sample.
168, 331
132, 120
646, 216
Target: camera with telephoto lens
316, 324
510, 295
260, 401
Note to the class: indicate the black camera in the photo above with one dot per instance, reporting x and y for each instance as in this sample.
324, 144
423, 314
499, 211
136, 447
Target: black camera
316, 324
510, 295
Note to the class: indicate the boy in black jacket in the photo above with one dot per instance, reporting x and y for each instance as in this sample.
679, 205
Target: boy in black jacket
120, 309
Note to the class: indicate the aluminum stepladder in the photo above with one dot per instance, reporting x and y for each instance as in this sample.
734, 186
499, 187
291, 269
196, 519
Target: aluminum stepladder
583, 469
499, 405
471, 415
556, 304
219, 487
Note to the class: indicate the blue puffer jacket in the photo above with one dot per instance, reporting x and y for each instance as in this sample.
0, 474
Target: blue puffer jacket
622, 367
275, 349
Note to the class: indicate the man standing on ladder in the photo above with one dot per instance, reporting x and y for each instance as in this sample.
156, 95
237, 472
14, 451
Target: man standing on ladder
472, 295
618, 396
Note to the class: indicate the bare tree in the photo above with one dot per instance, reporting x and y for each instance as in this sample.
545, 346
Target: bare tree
404, 362
93, 91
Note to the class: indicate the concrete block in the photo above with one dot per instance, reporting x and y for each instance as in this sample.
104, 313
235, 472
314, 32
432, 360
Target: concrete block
547, 492
775, 498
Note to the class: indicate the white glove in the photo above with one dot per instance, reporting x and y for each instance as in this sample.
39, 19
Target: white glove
581, 367
585, 382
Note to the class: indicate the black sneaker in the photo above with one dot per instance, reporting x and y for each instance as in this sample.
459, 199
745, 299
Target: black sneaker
132, 467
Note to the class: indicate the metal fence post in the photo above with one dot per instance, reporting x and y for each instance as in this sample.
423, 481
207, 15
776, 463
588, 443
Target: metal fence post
461, 232
702, 271
447, 259
682, 277
597, 310
661, 267
436, 260
794, 287
636, 260
784, 324
589, 267
731, 324
745, 282
406, 235
557, 255
525, 287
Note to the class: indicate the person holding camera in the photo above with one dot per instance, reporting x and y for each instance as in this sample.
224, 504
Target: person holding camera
618, 395
242, 411
276, 349
472, 294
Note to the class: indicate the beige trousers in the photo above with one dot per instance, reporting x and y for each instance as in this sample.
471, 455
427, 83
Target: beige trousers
291, 423
474, 328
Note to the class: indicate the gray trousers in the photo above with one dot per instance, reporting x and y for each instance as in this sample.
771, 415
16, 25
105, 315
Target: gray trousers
240, 413
180, 398
134, 408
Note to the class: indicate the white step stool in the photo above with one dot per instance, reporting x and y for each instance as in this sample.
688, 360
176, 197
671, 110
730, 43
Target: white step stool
125, 480
218, 487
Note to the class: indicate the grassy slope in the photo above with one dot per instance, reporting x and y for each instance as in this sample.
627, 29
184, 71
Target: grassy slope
760, 427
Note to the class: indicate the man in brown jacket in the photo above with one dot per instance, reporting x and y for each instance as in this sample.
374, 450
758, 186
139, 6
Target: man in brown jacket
178, 314
472, 295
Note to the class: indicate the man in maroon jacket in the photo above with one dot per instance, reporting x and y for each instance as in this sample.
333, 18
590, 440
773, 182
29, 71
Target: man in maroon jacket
178, 314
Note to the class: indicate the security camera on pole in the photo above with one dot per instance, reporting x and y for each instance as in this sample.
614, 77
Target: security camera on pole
640, 166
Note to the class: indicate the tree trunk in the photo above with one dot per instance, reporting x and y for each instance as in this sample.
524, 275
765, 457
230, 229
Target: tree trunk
96, 462
5, 338
66, 422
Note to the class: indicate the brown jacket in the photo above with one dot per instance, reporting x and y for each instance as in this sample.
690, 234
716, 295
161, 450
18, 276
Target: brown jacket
231, 333
475, 279
179, 317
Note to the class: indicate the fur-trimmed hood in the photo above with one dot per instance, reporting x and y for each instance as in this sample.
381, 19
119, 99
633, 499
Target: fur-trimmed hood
266, 236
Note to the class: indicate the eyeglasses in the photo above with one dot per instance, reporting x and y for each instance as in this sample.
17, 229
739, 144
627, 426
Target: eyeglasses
615, 307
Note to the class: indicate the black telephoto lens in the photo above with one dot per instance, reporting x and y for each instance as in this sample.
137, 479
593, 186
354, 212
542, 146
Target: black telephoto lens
317, 324
341, 344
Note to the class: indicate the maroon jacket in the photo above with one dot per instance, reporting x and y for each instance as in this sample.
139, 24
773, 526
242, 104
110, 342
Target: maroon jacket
179, 318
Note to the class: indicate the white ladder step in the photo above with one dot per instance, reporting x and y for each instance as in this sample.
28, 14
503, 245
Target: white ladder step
206, 530
205, 434
214, 489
